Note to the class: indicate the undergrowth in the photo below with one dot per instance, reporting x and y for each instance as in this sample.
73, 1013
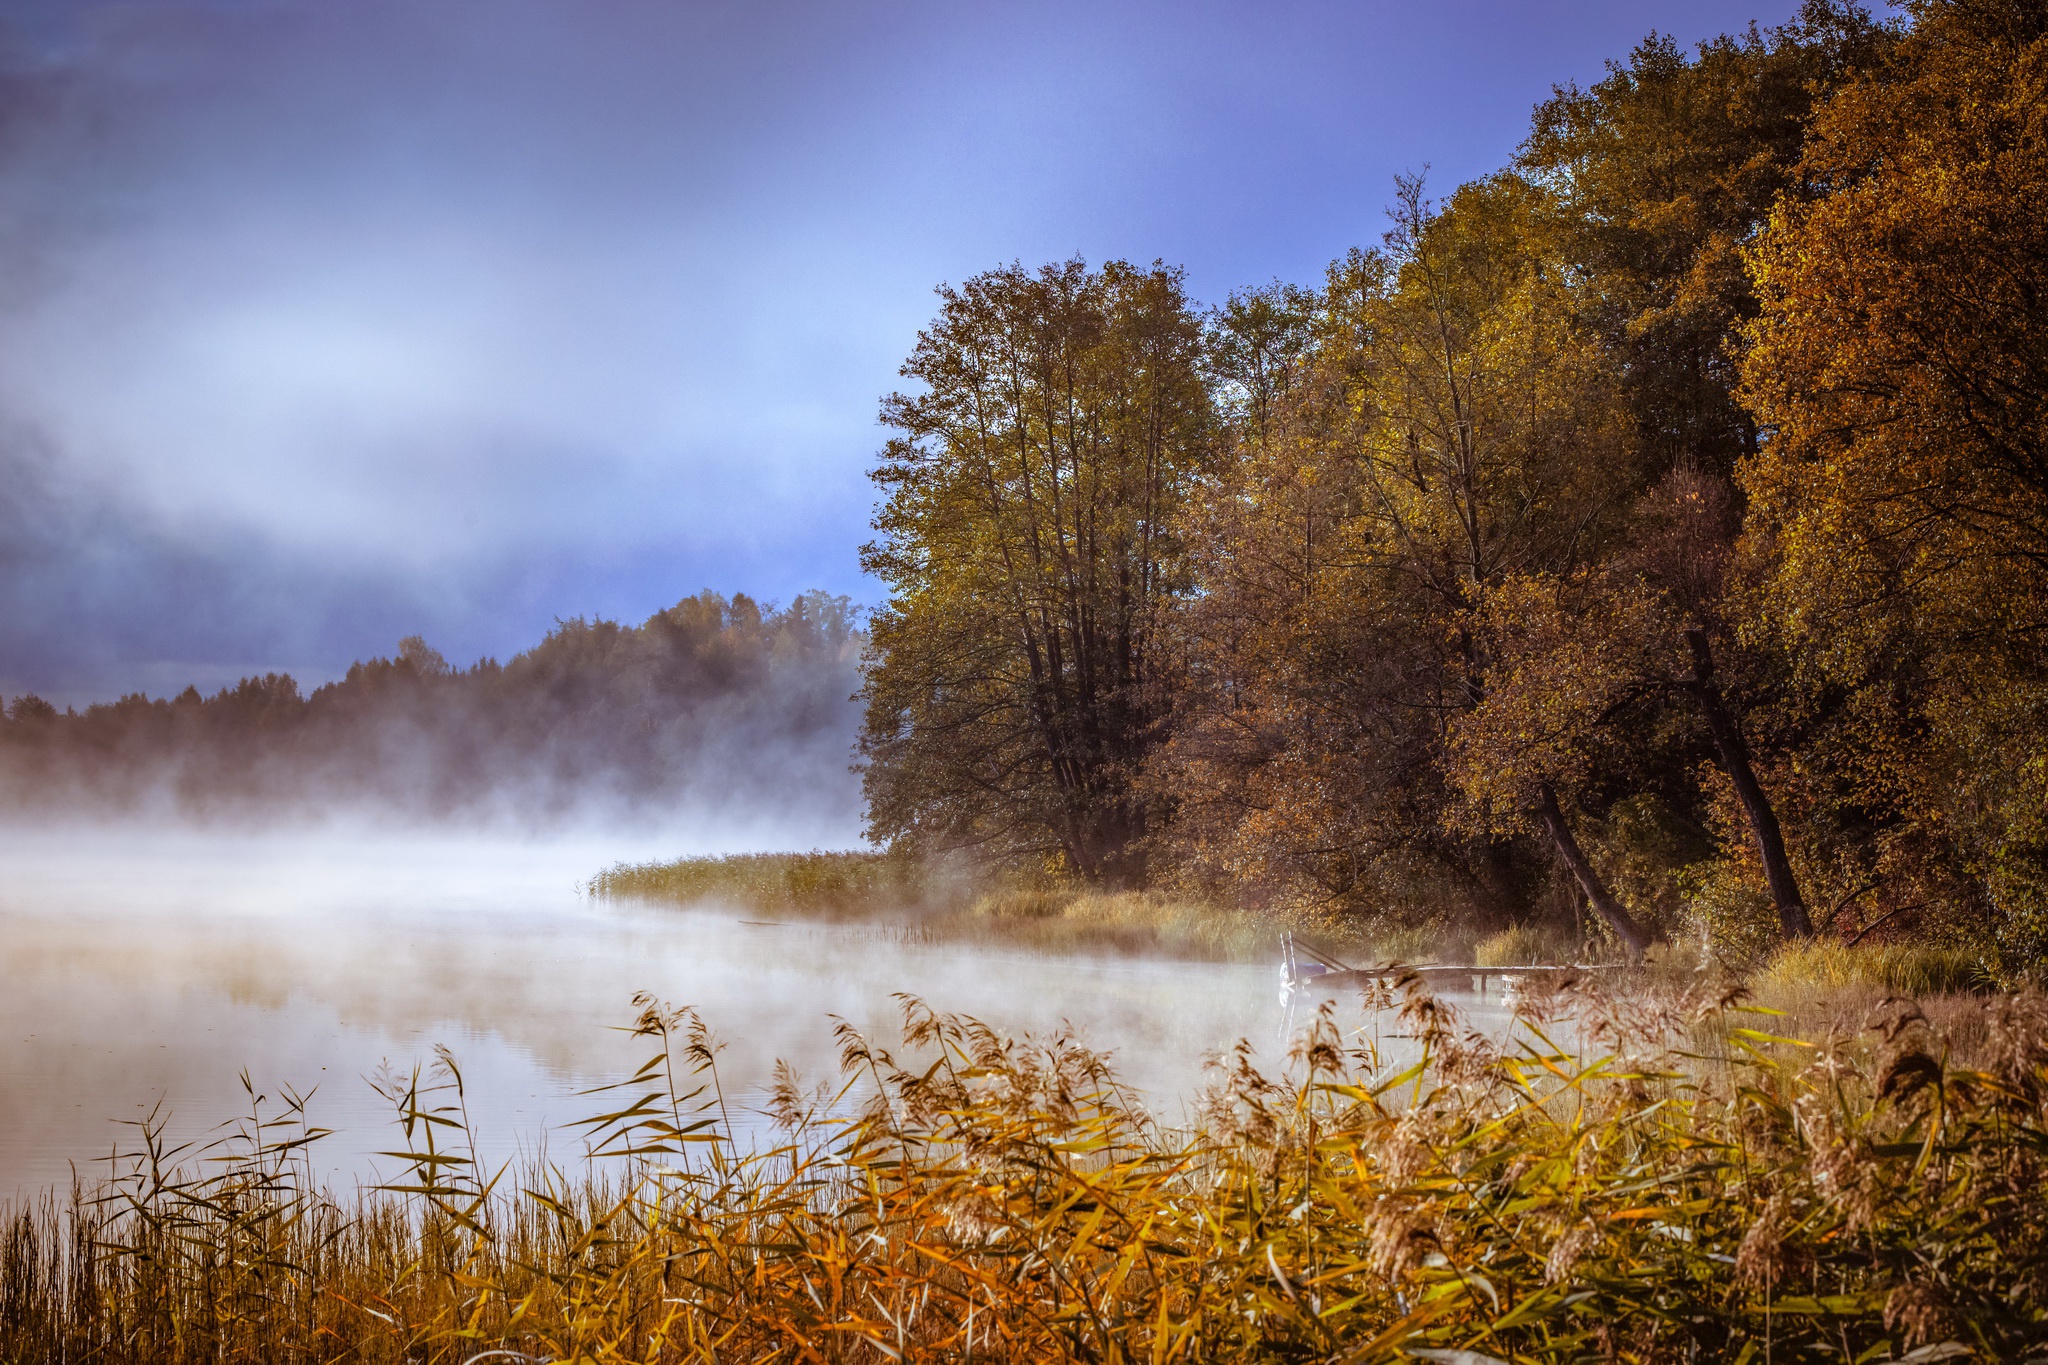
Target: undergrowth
1525, 944
1630, 1175
1909, 969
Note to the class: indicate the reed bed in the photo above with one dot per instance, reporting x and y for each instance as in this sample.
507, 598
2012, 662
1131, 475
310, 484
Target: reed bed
818, 882
1633, 1174
1526, 944
1065, 919
949, 905
1908, 969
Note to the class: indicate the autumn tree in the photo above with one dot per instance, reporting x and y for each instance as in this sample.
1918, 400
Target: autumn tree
1027, 541
1451, 428
1900, 502
1658, 175
1256, 346
1564, 671
1485, 401
1652, 180
1606, 681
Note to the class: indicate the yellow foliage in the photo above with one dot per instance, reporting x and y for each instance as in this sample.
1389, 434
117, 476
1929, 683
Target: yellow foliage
1900, 507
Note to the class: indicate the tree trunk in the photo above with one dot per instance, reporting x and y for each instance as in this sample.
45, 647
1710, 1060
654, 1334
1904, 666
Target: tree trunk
1604, 904
1763, 821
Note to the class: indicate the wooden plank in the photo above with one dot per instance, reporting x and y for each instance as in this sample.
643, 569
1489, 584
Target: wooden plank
1361, 976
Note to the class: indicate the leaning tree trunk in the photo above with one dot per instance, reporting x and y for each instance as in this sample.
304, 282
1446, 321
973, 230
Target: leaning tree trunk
1602, 900
1763, 821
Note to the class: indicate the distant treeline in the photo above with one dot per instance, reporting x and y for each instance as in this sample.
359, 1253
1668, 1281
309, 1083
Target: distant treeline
717, 699
1652, 534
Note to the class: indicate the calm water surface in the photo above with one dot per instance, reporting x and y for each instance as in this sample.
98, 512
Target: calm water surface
139, 970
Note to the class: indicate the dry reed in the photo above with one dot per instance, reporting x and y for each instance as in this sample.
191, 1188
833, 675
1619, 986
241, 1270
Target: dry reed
818, 883
952, 905
1633, 1174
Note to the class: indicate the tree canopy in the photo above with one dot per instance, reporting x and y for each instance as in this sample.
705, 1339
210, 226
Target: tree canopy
1029, 541
1655, 526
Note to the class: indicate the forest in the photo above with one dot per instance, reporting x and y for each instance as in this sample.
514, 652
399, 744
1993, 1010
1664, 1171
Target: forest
711, 697
1648, 540
1651, 536
1646, 544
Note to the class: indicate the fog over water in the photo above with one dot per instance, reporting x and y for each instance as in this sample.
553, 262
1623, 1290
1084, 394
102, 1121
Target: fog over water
485, 332
147, 965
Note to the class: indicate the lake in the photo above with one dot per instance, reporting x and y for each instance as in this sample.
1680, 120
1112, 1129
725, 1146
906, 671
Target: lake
150, 969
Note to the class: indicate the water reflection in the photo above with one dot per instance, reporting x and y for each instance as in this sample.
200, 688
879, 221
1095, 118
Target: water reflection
140, 967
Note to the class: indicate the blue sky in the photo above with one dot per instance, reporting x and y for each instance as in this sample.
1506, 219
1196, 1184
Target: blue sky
325, 323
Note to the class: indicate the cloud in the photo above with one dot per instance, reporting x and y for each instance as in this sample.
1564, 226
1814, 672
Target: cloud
459, 317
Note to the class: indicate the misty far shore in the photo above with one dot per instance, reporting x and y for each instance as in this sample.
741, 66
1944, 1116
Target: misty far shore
714, 701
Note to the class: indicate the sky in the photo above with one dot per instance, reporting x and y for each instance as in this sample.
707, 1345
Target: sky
326, 322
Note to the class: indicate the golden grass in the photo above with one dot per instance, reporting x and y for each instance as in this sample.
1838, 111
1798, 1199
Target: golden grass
816, 883
1524, 945
1128, 921
1676, 1184
1908, 969
949, 907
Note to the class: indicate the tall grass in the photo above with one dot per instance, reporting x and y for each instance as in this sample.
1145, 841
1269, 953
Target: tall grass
961, 1196
1909, 969
1052, 919
947, 904
1525, 945
818, 882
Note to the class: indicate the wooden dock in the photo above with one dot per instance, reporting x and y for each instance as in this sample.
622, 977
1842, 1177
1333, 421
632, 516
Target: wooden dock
1302, 968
